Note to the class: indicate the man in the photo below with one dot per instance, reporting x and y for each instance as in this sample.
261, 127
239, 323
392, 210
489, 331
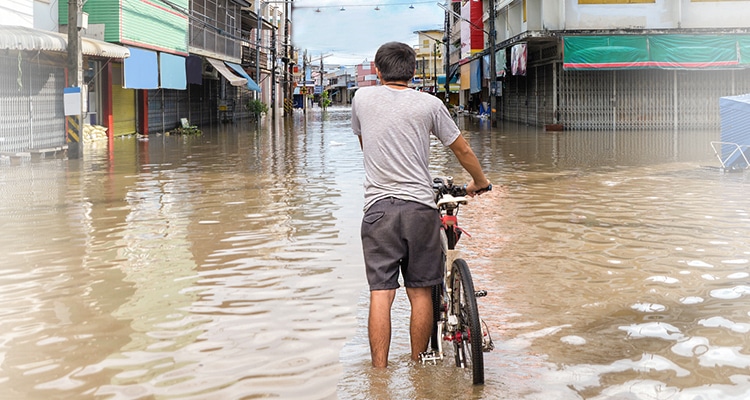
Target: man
401, 224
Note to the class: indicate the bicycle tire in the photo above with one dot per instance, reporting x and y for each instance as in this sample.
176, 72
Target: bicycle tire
469, 343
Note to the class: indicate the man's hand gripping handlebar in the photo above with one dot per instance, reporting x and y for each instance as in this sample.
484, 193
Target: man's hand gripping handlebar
471, 191
446, 186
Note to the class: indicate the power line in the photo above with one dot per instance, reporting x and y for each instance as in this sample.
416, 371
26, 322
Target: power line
342, 6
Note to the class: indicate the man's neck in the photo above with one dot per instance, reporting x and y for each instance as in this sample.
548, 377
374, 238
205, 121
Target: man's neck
397, 84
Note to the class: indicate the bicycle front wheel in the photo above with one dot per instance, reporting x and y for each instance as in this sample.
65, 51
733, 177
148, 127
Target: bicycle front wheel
437, 306
468, 336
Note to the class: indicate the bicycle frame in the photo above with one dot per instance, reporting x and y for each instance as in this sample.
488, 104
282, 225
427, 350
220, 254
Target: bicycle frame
450, 233
454, 301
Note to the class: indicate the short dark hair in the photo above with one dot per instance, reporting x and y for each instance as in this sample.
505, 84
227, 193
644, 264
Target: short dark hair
396, 62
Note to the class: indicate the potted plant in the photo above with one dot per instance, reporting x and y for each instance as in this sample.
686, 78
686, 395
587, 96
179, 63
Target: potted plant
256, 107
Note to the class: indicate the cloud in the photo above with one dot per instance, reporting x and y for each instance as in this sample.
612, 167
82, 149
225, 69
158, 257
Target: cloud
354, 34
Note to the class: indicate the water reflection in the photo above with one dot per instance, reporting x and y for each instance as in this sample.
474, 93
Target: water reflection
215, 255
228, 266
614, 267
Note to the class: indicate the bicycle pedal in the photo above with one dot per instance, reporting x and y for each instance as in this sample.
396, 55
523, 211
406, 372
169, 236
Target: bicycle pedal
480, 293
429, 357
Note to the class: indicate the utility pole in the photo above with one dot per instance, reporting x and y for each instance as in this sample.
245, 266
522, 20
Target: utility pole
74, 123
258, 12
288, 70
423, 76
434, 67
321, 79
447, 56
303, 90
273, 73
493, 65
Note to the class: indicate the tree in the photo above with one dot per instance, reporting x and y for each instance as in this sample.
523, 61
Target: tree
325, 101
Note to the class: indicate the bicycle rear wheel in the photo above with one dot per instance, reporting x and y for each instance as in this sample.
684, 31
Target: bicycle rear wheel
468, 340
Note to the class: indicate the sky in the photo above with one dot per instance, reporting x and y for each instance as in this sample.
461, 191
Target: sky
351, 36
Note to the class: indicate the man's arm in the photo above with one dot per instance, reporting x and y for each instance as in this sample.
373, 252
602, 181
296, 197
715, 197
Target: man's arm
469, 161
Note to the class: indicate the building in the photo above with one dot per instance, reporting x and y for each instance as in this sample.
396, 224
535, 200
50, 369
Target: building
268, 53
429, 60
143, 90
146, 65
610, 64
33, 78
218, 86
342, 81
366, 75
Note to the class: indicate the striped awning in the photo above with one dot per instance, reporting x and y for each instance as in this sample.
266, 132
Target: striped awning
233, 79
22, 38
98, 48
251, 85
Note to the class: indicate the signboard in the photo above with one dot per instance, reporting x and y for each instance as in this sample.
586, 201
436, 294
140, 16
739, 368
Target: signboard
72, 101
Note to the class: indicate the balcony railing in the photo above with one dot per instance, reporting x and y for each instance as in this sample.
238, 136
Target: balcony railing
214, 42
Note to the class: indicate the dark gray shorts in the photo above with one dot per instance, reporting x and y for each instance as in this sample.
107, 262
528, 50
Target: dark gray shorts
399, 234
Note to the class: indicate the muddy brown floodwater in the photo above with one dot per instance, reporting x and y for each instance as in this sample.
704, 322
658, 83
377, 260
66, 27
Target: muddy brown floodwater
228, 266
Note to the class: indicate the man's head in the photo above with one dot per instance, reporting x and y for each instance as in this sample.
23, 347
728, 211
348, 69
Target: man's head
396, 62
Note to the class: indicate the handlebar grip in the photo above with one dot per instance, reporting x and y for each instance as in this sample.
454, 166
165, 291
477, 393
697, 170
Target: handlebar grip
487, 189
480, 191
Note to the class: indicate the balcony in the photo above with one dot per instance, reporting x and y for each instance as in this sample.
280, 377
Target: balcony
214, 42
248, 58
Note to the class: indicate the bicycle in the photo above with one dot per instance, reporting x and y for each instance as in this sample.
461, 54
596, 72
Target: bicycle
455, 312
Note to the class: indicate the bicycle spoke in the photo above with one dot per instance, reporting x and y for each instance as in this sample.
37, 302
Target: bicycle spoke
469, 353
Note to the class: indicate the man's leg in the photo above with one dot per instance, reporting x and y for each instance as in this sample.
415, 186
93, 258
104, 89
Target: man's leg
420, 327
379, 325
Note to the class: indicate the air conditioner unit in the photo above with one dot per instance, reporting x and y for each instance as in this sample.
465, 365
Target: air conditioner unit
209, 72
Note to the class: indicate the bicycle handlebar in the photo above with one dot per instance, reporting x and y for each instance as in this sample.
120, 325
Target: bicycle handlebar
443, 186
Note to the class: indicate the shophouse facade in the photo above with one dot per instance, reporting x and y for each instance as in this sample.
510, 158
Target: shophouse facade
268, 54
147, 65
366, 75
184, 64
429, 60
341, 82
608, 64
33, 78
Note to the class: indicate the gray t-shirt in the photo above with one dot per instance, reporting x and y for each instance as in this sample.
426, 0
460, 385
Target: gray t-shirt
395, 126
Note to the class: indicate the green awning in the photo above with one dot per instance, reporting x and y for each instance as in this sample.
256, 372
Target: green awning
656, 51
744, 44
441, 79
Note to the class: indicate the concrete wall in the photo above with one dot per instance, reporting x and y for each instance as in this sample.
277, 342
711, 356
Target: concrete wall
607, 14
662, 14
45, 15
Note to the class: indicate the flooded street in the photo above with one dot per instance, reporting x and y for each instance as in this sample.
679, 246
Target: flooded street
228, 266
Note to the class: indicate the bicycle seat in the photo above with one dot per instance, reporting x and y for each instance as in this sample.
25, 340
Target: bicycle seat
448, 199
